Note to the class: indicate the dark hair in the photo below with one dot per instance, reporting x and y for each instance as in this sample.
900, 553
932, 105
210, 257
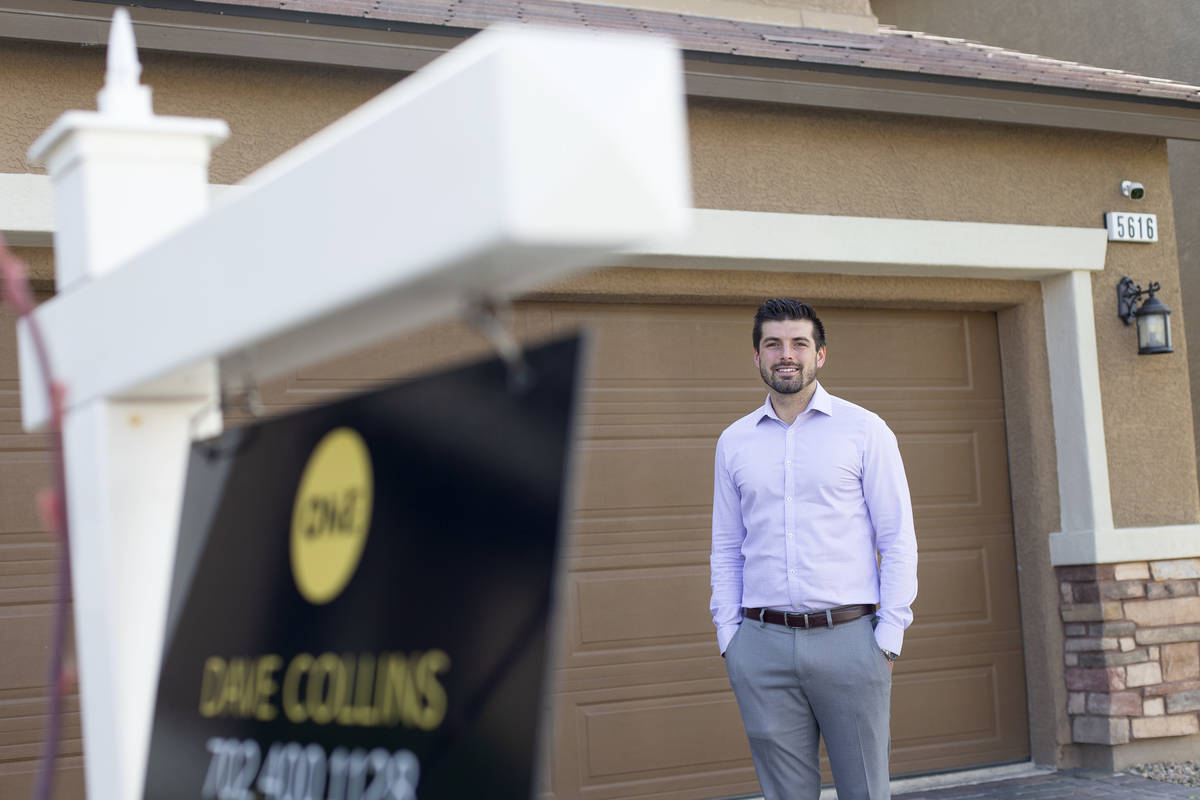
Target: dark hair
778, 309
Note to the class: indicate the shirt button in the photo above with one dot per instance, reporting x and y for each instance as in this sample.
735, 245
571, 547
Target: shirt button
789, 536
788, 498
792, 571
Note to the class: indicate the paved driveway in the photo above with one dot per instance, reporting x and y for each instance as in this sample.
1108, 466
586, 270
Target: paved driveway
1066, 785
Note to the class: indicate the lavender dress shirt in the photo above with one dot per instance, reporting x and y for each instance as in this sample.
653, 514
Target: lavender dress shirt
800, 511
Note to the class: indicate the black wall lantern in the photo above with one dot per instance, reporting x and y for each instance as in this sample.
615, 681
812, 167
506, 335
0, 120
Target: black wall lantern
1153, 318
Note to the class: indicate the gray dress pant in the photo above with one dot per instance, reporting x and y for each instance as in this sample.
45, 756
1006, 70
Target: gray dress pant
794, 686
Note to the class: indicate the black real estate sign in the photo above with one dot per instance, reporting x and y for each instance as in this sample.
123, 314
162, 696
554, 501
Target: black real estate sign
362, 591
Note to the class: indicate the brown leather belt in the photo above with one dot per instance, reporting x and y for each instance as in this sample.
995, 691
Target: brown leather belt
813, 619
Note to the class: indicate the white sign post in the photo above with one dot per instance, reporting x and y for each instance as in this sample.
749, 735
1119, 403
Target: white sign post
517, 158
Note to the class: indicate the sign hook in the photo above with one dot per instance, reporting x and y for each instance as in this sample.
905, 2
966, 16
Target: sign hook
486, 315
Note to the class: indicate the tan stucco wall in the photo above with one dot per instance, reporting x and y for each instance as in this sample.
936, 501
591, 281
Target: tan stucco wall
766, 158
270, 107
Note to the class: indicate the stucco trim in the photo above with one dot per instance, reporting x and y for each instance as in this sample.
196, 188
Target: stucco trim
753, 240
1083, 483
1113, 546
27, 210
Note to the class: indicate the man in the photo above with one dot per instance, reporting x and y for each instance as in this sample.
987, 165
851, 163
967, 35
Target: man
808, 489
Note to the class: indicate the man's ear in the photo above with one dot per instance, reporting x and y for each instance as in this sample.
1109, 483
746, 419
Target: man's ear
821, 357
756, 357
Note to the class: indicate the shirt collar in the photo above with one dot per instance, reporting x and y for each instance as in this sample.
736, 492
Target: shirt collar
821, 401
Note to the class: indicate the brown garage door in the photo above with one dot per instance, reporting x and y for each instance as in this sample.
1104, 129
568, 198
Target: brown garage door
642, 705
28, 575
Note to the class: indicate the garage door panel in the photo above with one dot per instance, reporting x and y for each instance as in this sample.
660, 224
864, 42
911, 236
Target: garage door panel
958, 354
17, 778
616, 474
960, 593
674, 343
654, 740
891, 338
952, 702
660, 734
641, 607
942, 468
966, 581
965, 707
955, 465
23, 473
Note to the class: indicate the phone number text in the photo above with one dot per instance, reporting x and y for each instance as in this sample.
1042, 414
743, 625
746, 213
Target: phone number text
292, 771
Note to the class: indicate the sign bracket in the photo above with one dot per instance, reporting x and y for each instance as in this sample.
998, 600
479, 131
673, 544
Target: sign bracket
490, 317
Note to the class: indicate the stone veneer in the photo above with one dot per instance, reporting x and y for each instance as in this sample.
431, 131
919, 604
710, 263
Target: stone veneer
1132, 650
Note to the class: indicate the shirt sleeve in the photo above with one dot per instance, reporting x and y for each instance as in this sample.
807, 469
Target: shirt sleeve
726, 562
885, 489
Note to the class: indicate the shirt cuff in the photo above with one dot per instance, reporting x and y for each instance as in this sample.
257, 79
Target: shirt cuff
725, 635
889, 637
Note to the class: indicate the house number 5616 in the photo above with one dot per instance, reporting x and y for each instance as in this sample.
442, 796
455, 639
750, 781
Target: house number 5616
1126, 227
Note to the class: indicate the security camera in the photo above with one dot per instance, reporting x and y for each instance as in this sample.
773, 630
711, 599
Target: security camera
1133, 190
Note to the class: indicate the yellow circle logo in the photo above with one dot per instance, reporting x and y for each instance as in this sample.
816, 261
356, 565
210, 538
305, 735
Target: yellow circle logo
332, 515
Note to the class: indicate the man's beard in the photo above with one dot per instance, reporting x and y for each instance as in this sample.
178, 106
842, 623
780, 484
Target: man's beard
797, 383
